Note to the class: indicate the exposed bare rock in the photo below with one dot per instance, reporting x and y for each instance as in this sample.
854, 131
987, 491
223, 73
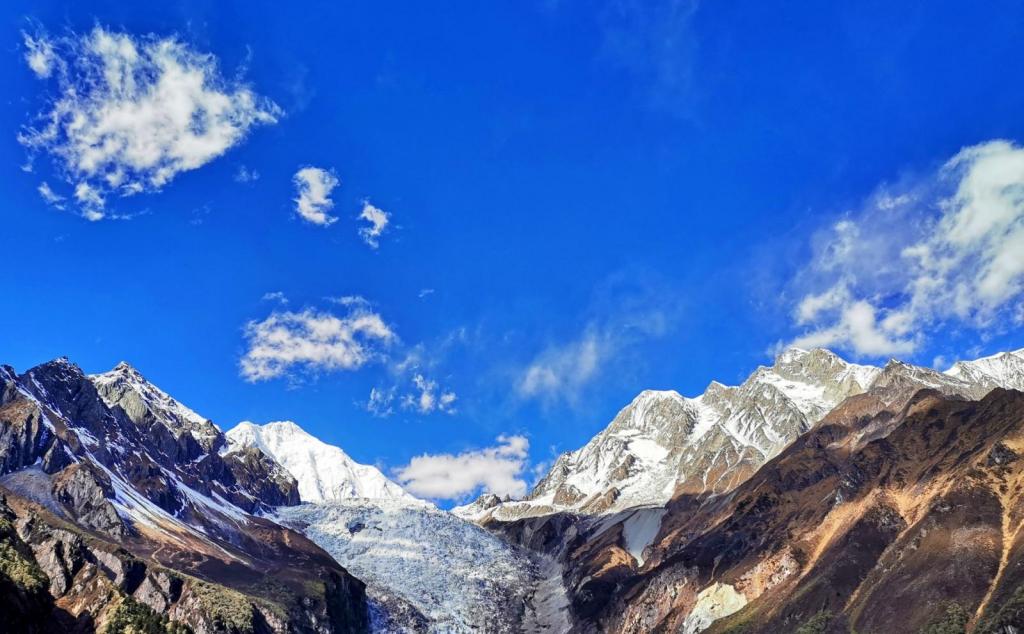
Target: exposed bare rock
128, 507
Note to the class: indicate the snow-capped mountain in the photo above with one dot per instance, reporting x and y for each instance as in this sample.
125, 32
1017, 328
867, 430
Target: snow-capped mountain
120, 491
1005, 369
663, 444
429, 571
324, 472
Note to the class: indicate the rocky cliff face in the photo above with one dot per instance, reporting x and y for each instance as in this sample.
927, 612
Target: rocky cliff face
888, 516
119, 496
898, 481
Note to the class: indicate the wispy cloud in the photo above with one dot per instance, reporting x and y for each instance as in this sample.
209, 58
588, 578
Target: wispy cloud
246, 175
411, 386
314, 186
378, 219
561, 371
945, 249
625, 317
275, 296
308, 341
427, 398
51, 197
129, 113
39, 55
500, 469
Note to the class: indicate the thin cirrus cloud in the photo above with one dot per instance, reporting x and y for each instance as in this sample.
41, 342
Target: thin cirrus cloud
412, 389
287, 343
500, 469
562, 372
378, 220
313, 186
126, 114
943, 250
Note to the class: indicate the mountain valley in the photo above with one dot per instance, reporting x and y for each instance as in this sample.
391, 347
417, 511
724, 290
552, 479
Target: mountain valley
817, 496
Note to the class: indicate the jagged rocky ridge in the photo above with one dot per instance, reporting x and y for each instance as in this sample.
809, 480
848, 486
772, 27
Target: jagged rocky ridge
121, 498
898, 511
806, 497
663, 444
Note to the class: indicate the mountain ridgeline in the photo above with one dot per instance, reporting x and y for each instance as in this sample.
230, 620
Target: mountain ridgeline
118, 507
816, 496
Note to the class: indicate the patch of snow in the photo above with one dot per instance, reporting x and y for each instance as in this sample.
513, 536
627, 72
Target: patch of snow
640, 530
717, 601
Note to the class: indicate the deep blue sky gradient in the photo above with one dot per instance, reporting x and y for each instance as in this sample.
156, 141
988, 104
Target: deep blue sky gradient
546, 164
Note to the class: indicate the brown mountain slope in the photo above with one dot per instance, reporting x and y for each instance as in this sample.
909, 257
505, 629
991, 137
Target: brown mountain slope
873, 522
122, 528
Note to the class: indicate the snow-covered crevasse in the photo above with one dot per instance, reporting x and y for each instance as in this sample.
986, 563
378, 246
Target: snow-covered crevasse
458, 576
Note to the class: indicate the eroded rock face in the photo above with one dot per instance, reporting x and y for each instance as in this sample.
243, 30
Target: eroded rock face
842, 531
24, 601
261, 481
85, 494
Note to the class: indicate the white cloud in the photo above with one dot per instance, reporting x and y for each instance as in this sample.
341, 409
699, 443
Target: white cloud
245, 175
131, 113
350, 300
634, 309
378, 219
275, 296
380, 402
314, 186
426, 398
561, 371
311, 340
51, 197
499, 470
412, 391
39, 55
946, 250
425, 292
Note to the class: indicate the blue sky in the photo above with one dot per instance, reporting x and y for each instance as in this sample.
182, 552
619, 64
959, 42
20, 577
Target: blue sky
575, 201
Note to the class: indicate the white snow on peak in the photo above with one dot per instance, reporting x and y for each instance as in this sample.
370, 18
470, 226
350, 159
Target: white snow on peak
324, 472
1005, 369
663, 443
663, 439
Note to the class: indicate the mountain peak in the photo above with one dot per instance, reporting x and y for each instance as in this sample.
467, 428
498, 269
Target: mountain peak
324, 472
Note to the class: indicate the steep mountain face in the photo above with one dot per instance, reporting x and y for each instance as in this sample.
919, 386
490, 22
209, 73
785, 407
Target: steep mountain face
324, 472
875, 521
662, 444
188, 447
124, 503
899, 509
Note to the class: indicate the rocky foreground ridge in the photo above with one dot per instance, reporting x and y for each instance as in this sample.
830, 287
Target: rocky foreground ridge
118, 510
